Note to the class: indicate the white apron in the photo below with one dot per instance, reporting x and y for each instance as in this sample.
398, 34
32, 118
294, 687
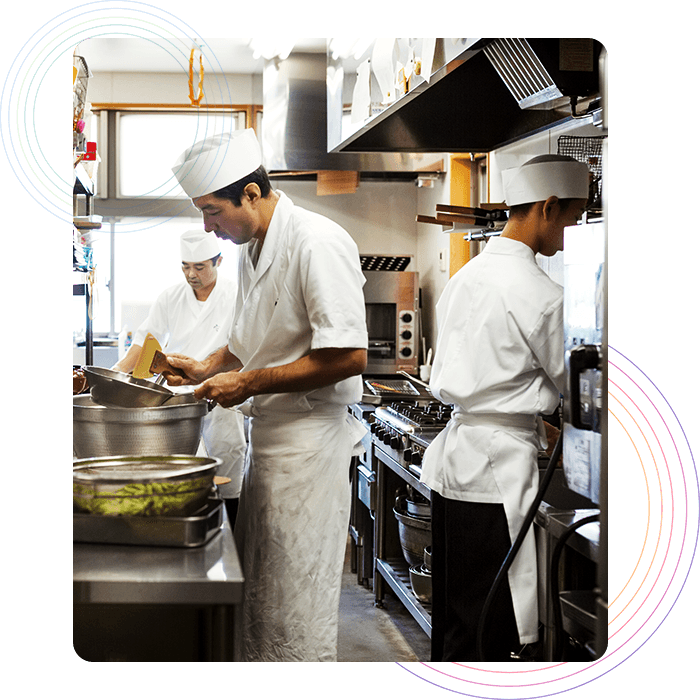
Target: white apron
291, 532
502, 453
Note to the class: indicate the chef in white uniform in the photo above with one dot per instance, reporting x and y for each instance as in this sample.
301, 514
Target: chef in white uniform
499, 362
193, 317
297, 348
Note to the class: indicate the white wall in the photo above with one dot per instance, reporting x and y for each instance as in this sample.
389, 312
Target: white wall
429, 240
380, 216
172, 88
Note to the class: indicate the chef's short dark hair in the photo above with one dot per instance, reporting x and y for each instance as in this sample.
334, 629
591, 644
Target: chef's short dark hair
234, 191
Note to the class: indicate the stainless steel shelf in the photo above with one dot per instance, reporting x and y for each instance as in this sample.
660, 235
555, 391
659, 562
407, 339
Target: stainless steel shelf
395, 573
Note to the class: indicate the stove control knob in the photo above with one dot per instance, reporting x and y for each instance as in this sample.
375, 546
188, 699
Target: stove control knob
407, 454
395, 442
406, 335
416, 458
386, 438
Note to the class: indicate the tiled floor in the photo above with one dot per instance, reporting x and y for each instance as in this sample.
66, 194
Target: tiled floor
368, 633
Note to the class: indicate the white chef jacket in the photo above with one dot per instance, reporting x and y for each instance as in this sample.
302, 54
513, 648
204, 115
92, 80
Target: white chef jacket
499, 361
303, 293
182, 324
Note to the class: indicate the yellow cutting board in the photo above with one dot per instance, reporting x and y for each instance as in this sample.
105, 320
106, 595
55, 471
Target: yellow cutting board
150, 347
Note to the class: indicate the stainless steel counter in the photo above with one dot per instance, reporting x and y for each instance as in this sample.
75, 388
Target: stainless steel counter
577, 575
197, 590
585, 540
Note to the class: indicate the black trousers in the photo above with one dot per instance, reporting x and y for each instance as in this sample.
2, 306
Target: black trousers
231, 505
469, 544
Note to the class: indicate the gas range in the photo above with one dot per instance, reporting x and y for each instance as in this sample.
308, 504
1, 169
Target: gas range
404, 429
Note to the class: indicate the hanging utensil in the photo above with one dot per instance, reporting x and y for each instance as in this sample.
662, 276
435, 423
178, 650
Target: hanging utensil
413, 379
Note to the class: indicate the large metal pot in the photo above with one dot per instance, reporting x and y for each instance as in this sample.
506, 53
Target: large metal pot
414, 534
173, 428
144, 485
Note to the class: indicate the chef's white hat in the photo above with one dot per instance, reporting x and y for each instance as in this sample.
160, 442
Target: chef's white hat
543, 177
217, 161
198, 246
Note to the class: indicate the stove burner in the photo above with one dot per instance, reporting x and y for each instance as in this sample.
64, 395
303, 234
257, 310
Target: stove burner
405, 428
434, 413
408, 417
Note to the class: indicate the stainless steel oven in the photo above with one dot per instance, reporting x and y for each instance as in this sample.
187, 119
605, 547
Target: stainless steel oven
393, 321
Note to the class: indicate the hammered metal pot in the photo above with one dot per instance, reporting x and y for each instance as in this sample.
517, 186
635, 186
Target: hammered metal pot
100, 431
414, 534
143, 485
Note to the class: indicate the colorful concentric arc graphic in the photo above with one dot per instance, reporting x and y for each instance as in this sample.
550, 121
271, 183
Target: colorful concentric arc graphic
653, 536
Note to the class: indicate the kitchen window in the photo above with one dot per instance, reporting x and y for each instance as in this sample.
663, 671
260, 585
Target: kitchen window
149, 142
144, 210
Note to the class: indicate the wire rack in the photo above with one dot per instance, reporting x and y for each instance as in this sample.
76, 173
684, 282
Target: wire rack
588, 150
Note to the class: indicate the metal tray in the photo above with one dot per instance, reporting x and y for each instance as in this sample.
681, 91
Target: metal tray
163, 531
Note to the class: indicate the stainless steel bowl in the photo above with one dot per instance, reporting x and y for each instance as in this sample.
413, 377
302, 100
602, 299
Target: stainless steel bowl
421, 584
146, 485
111, 388
173, 428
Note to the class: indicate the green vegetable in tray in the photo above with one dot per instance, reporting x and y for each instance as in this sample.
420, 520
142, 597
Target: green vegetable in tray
156, 498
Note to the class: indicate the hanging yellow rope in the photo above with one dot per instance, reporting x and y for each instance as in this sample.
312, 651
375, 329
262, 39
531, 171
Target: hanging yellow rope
194, 101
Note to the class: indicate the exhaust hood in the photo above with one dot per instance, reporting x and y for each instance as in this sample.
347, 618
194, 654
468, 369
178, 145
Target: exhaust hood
294, 126
491, 93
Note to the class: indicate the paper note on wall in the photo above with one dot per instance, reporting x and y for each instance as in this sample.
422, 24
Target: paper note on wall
385, 56
361, 95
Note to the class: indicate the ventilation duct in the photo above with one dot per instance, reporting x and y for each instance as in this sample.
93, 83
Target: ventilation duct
522, 72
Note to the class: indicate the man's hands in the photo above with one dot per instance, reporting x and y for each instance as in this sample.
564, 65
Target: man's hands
195, 371
226, 388
222, 381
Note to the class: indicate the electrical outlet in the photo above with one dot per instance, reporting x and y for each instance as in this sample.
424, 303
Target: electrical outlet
442, 257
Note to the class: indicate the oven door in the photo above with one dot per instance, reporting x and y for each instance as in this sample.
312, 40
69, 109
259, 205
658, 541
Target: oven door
367, 486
